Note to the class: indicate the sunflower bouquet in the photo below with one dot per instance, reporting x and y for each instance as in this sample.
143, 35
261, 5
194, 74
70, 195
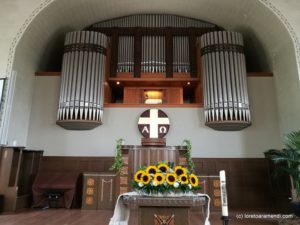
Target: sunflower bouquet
163, 179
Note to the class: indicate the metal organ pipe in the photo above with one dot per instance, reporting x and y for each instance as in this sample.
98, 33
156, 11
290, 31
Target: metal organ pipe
125, 54
153, 54
226, 104
153, 20
181, 60
82, 80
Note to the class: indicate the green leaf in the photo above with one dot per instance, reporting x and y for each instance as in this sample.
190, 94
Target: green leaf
288, 160
190, 163
292, 140
118, 162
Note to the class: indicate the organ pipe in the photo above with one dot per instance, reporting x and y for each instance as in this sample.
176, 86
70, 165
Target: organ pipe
153, 54
226, 103
154, 20
126, 54
181, 59
82, 90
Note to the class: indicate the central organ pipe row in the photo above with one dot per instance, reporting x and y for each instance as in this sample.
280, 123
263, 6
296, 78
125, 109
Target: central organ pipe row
154, 54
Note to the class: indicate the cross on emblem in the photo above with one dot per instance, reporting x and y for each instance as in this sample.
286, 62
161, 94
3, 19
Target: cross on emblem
154, 123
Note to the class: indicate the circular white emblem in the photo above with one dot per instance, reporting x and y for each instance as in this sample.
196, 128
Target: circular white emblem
154, 123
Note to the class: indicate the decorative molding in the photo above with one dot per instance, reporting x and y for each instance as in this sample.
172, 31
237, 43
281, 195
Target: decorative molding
7, 94
21, 31
222, 48
288, 26
85, 47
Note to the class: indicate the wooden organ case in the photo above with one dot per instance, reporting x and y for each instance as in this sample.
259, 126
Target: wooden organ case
153, 53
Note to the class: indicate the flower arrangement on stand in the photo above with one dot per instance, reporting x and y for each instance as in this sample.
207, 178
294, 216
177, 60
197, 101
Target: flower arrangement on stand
164, 179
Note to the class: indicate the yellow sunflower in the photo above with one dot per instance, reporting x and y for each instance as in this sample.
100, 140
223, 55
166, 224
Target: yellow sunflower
184, 179
179, 170
151, 170
146, 178
159, 178
171, 178
163, 167
194, 180
138, 176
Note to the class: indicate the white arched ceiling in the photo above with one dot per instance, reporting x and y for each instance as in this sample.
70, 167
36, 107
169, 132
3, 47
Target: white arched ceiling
266, 36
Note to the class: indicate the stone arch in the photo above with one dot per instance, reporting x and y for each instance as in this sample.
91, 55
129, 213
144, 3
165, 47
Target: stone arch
267, 29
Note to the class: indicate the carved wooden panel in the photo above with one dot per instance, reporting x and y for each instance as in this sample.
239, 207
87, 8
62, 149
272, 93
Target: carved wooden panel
215, 192
163, 219
98, 191
170, 215
106, 195
90, 181
89, 200
89, 192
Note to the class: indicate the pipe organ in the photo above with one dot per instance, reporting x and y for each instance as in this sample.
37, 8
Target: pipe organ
153, 43
181, 61
153, 54
125, 54
226, 103
153, 20
82, 80
144, 48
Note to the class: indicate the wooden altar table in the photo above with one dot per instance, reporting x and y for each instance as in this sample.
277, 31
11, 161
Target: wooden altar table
147, 210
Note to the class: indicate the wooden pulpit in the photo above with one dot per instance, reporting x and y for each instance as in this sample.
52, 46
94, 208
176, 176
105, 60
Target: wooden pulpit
134, 157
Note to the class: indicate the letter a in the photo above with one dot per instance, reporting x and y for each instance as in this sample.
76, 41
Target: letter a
145, 129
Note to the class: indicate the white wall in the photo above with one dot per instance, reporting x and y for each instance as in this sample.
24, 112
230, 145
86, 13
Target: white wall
185, 123
13, 15
249, 17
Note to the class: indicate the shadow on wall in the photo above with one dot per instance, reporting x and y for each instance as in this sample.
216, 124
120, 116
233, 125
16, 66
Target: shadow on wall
257, 59
53, 53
